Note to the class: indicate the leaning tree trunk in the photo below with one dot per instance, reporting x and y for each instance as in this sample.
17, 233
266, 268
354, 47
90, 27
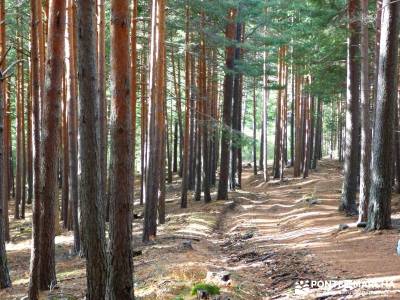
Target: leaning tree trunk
349, 191
91, 199
379, 210
49, 147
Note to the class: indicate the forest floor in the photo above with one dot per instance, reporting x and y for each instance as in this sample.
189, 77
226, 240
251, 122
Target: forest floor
276, 240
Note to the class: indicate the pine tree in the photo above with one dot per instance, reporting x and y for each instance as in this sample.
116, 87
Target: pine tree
51, 115
120, 281
91, 199
230, 34
379, 210
348, 200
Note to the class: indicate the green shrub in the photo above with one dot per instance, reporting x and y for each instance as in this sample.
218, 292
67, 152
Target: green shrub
210, 288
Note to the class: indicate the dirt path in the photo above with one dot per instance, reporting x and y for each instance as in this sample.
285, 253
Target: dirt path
295, 226
273, 237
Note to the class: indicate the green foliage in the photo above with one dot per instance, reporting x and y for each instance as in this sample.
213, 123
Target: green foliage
210, 288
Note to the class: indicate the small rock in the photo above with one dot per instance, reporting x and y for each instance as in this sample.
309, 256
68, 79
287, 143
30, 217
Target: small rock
202, 294
137, 253
219, 278
362, 224
225, 276
343, 227
248, 236
186, 245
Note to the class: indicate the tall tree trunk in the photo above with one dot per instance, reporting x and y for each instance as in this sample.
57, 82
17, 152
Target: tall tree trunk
307, 146
186, 141
162, 115
144, 121
72, 109
193, 95
348, 200
297, 156
23, 143
254, 128
91, 199
18, 120
36, 23
134, 81
155, 120
285, 81
277, 143
64, 135
205, 111
312, 130
236, 134
101, 60
292, 115
176, 69
5, 280
378, 23
215, 119
198, 149
49, 146
168, 142
365, 118
227, 109
5, 191
175, 146
396, 147
29, 133
379, 210
340, 130
120, 282
264, 138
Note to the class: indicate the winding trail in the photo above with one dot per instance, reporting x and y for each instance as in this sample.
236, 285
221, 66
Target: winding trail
272, 237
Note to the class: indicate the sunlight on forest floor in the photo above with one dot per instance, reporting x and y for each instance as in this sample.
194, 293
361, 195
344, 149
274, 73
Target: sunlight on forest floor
269, 237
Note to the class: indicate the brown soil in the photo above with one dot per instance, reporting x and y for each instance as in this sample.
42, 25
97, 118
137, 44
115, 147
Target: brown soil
269, 237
